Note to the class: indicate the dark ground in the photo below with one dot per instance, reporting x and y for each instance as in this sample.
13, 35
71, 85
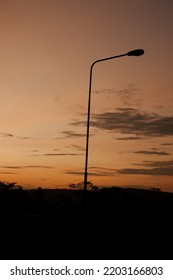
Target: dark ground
117, 224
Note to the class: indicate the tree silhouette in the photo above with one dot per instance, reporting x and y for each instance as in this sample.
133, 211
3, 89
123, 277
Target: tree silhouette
80, 186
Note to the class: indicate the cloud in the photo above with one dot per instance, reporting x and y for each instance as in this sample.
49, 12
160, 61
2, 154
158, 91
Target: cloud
38, 166
159, 171
130, 138
69, 133
159, 107
56, 154
10, 135
147, 163
154, 168
73, 134
166, 144
26, 166
102, 171
11, 167
34, 155
94, 171
24, 137
161, 153
133, 121
6, 135
44, 179
127, 92
63, 154
126, 95
74, 172
77, 147
150, 168
9, 173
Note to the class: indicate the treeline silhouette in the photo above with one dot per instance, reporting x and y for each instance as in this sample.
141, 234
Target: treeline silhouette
40, 222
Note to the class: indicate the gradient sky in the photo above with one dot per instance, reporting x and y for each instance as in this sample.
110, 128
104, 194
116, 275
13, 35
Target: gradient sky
47, 47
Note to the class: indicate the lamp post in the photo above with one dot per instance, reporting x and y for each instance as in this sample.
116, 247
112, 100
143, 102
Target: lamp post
136, 52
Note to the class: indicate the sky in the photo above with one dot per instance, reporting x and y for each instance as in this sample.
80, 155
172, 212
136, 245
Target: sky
47, 48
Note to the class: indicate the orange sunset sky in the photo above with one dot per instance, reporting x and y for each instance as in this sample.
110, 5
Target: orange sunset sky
47, 47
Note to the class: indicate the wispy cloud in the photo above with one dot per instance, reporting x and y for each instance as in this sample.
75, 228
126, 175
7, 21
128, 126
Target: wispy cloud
152, 168
130, 138
24, 137
34, 155
148, 163
62, 154
74, 172
38, 166
12, 167
127, 95
102, 171
77, 147
94, 171
158, 153
166, 144
44, 179
160, 171
71, 134
10, 135
74, 134
6, 135
8, 173
25, 166
56, 154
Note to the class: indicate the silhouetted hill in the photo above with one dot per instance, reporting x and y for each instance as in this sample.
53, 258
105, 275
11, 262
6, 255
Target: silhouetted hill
41, 222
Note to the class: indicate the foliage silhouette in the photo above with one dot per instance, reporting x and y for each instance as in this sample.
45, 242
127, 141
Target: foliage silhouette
42, 221
80, 186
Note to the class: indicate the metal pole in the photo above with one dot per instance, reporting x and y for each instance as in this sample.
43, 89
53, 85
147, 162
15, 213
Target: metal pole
88, 121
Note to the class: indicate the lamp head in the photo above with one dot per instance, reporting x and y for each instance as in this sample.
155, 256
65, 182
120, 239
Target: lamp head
136, 52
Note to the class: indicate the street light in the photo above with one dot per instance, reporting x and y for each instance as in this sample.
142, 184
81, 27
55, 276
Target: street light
136, 52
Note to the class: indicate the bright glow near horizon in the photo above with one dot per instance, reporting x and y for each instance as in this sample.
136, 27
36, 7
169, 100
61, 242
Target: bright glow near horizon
47, 48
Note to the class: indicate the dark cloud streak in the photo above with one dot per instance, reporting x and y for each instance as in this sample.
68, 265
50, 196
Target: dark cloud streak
130, 138
154, 168
126, 95
160, 171
9, 173
26, 166
133, 121
147, 163
70, 134
6, 135
63, 154
159, 153
10, 135
94, 171
77, 147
